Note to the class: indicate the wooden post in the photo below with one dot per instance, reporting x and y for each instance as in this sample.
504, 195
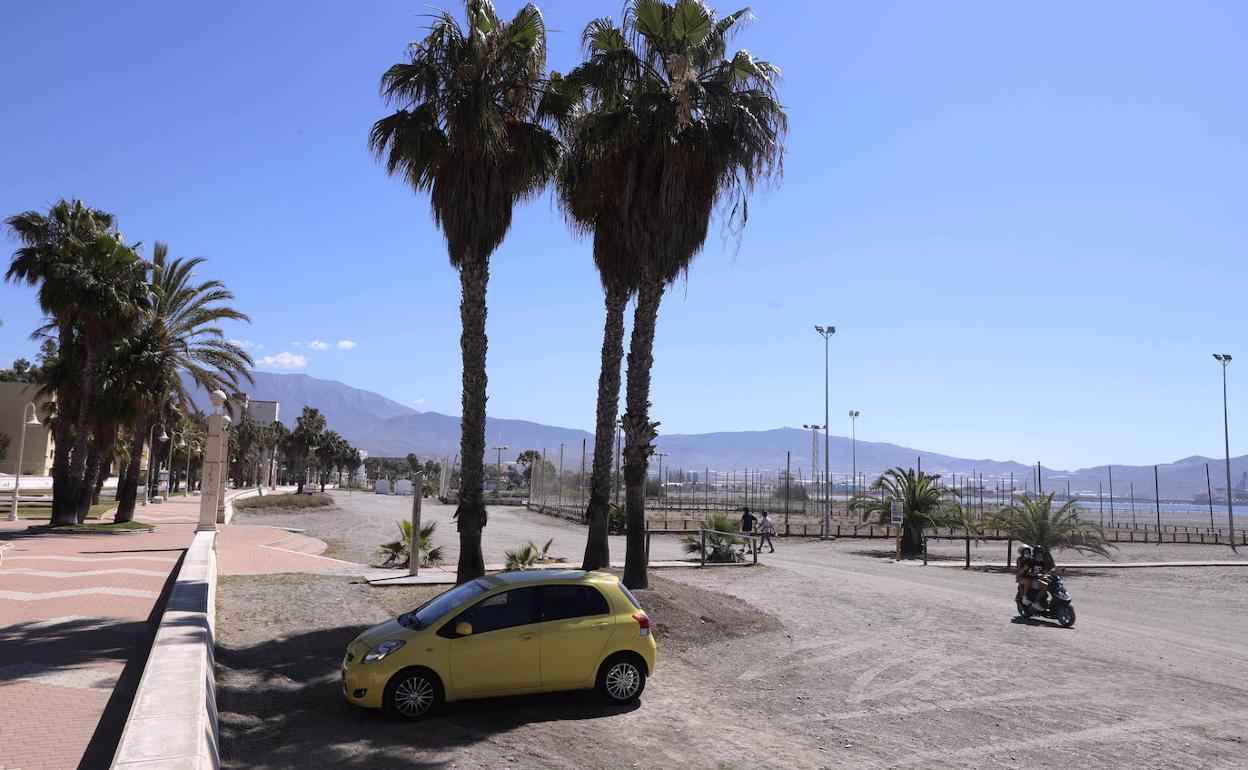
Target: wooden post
418, 491
968, 551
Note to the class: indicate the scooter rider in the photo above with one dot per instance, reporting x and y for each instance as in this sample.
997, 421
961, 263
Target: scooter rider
1022, 568
1041, 565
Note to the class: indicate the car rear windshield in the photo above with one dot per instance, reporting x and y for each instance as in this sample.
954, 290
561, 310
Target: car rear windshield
629, 595
442, 604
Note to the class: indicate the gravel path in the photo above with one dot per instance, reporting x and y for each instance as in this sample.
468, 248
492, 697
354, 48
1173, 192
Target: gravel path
868, 664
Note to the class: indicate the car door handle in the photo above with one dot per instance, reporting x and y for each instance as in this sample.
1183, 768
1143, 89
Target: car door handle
527, 635
600, 626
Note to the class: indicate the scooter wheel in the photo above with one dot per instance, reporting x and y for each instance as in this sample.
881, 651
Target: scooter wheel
1066, 616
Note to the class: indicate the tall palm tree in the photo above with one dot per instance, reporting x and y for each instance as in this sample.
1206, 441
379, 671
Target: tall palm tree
674, 127
91, 284
181, 341
926, 503
1033, 520
467, 130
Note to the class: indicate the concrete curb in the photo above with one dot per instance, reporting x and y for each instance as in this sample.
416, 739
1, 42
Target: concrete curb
238, 495
173, 721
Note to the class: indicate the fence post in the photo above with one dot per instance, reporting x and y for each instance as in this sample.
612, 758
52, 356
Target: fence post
754, 546
1009, 553
703, 534
968, 551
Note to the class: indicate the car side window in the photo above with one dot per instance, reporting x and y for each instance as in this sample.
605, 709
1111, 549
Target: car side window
516, 607
563, 602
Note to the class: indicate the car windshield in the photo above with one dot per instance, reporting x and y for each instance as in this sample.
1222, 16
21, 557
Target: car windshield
440, 605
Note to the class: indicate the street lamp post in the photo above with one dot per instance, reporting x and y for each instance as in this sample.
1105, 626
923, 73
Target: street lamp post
33, 419
1224, 359
151, 455
826, 332
500, 449
180, 444
188, 465
853, 444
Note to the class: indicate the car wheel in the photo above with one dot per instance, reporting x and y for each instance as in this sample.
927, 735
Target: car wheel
621, 679
413, 694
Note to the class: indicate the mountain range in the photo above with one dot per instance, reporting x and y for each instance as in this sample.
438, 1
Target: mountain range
384, 427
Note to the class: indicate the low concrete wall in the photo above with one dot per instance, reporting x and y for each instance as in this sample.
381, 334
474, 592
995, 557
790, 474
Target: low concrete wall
173, 721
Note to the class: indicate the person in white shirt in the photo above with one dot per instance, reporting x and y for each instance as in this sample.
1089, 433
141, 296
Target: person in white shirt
766, 529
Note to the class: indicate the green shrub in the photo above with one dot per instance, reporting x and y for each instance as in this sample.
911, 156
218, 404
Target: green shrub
720, 548
283, 501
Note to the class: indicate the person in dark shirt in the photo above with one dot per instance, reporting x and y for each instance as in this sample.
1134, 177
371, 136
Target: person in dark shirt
747, 528
1022, 570
1041, 564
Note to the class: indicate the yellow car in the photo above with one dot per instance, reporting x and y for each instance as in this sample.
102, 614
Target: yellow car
505, 634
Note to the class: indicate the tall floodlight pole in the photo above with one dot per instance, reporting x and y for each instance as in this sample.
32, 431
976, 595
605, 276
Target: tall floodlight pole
853, 448
1224, 359
826, 332
33, 419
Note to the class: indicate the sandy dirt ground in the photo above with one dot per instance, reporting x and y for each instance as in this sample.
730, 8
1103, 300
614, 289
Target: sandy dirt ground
825, 657
360, 522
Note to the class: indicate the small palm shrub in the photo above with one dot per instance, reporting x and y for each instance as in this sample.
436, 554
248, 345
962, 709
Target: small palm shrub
1034, 520
397, 553
720, 548
530, 555
617, 522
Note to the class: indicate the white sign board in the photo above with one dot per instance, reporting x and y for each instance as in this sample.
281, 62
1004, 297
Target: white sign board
403, 487
898, 514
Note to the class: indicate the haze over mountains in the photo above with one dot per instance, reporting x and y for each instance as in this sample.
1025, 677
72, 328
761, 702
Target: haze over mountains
385, 427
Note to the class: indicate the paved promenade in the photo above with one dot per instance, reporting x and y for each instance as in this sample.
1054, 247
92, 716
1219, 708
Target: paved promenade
76, 622
77, 618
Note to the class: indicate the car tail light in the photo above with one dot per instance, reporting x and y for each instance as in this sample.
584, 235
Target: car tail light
644, 621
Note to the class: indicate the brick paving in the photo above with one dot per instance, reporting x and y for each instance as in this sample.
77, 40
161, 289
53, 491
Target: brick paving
77, 616
76, 621
246, 549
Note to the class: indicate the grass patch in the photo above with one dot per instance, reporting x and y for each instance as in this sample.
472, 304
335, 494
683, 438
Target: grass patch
44, 510
126, 526
283, 501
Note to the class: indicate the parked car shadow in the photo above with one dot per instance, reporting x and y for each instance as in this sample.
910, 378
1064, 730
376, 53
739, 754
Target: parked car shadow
281, 704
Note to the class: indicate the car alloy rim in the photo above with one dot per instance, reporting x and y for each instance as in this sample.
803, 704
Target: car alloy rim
622, 681
413, 696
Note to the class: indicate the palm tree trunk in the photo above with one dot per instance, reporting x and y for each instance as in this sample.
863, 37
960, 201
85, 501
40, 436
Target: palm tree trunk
639, 432
91, 474
597, 547
474, 277
76, 481
128, 490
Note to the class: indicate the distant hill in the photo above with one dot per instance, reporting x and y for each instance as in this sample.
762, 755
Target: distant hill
385, 427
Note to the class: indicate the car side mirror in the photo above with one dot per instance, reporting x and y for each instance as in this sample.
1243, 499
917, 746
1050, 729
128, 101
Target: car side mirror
463, 628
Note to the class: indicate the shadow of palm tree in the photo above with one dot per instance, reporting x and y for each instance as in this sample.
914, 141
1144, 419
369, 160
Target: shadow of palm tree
281, 705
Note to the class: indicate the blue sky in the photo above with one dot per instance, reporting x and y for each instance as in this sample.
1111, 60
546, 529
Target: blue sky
1026, 221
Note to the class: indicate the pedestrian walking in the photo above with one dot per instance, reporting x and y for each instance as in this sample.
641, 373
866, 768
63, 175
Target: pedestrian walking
766, 530
747, 529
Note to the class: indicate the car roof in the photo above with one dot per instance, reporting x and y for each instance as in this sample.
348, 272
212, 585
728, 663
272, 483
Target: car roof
540, 576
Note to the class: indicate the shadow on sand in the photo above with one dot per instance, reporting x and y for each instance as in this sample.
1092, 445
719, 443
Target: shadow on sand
281, 706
